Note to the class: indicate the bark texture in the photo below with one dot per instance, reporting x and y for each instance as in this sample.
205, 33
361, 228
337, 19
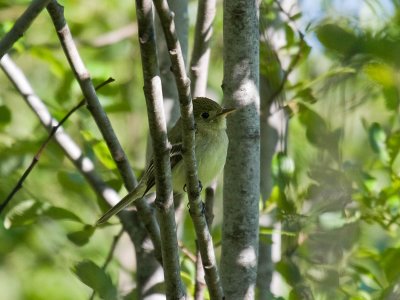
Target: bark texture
161, 148
242, 169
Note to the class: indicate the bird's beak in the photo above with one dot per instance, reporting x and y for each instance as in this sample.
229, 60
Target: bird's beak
226, 111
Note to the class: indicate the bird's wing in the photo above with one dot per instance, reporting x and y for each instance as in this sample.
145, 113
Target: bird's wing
137, 193
147, 182
175, 157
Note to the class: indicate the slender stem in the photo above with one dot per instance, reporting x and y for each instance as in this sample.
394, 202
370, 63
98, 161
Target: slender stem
200, 285
198, 74
56, 12
82, 75
201, 48
39, 153
161, 149
21, 25
188, 139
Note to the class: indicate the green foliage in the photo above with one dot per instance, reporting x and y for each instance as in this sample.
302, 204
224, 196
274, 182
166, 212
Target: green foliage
81, 237
341, 203
336, 187
5, 115
27, 212
95, 277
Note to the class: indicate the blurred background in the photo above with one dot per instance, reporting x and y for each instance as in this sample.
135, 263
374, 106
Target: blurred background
334, 188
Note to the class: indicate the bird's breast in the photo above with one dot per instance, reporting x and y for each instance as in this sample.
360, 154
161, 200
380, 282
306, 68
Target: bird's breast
210, 157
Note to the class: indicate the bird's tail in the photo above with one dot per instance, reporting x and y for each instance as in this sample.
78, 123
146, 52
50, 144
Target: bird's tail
137, 193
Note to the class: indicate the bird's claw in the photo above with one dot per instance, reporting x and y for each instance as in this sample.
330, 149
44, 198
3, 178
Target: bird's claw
200, 187
202, 210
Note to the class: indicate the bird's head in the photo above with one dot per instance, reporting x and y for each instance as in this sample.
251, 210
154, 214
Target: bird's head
209, 115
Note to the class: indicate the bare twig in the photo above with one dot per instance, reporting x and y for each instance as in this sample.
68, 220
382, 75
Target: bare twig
83, 164
161, 148
200, 285
187, 252
82, 75
188, 135
38, 154
56, 12
286, 73
198, 75
296, 58
112, 37
21, 25
201, 48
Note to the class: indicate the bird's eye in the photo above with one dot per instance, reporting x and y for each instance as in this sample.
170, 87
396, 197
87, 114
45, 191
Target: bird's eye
205, 115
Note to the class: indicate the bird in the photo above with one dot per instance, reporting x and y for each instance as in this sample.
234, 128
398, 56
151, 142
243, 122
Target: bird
211, 145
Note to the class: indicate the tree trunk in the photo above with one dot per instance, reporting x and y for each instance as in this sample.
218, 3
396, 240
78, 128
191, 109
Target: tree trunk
273, 128
242, 170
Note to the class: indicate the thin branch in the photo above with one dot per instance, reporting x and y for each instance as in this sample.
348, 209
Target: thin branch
200, 285
201, 48
56, 12
112, 37
39, 153
188, 139
187, 252
295, 60
21, 25
82, 75
198, 74
161, 149
83, 164
110, 255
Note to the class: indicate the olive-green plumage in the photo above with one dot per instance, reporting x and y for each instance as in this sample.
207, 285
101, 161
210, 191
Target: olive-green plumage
211, 144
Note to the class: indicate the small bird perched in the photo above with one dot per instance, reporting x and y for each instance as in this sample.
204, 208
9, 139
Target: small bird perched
211, 144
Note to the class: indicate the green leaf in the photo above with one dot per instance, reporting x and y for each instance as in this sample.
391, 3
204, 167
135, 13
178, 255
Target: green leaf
306, 95
71, 181
338, 39
81, 237
393, 145
289, 271
377, 139
391, 98
103, 154
381, 73
132, 295
96, 278
5, 115
317, 131
283, 167
390, 261
23, 214
58, 213
296, 16
385, 76
289, 33
57, 65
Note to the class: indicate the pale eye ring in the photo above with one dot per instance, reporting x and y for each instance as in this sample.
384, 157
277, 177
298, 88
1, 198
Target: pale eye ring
205, 115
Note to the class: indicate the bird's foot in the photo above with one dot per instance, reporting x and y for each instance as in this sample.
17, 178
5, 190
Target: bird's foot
200, 187
202, 209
